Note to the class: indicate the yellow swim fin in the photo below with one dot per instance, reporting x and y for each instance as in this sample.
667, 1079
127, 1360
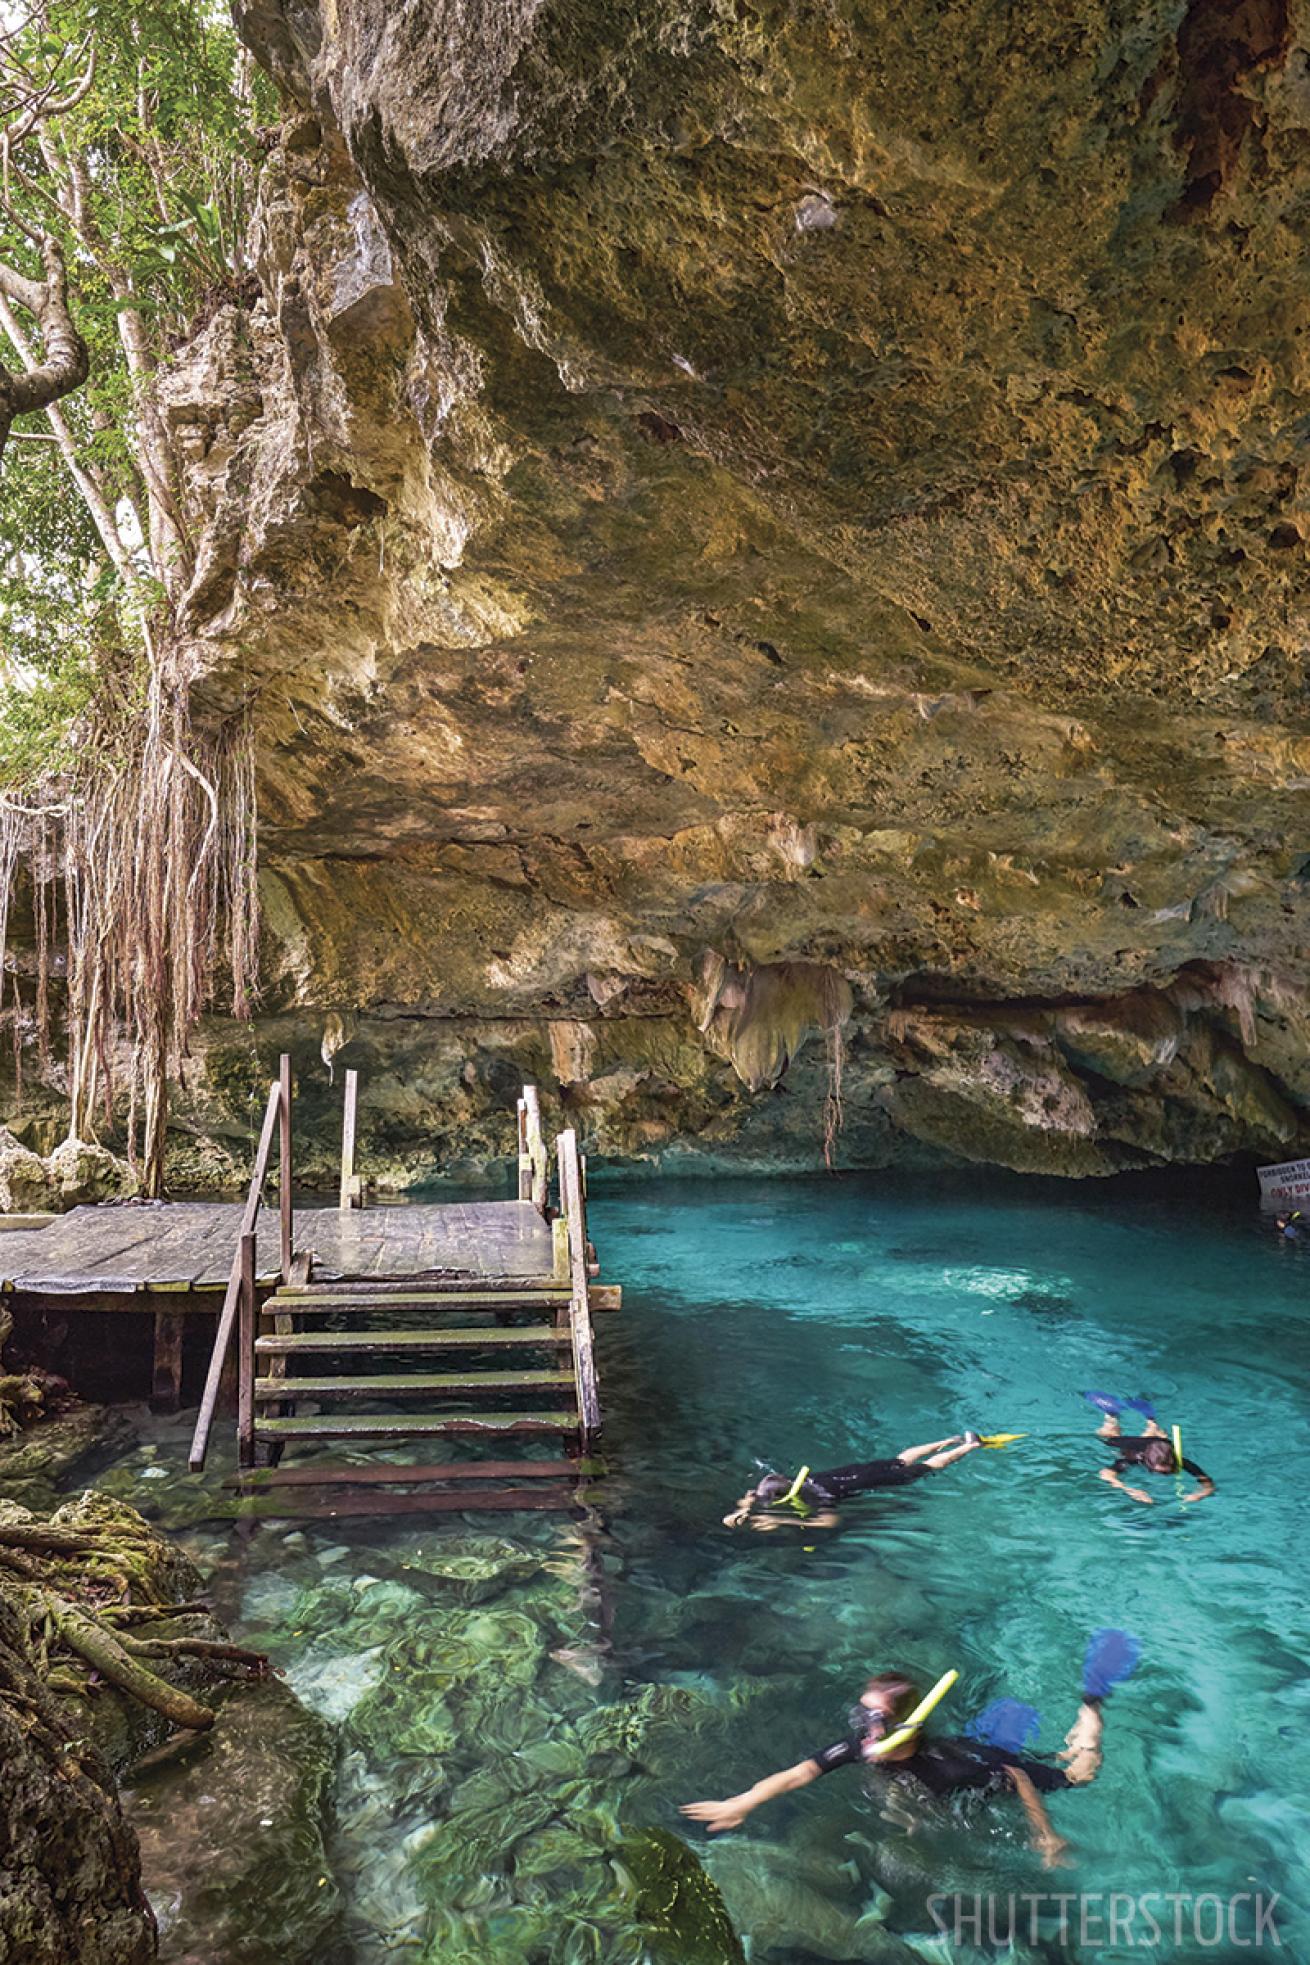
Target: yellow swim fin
1002, 1439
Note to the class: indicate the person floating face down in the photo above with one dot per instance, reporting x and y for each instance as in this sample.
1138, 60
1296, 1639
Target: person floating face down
1290, 1225
818, 1493
934, 1767
1153, 1451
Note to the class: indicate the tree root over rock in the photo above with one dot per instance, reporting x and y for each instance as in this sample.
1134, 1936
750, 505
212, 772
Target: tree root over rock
61, 1576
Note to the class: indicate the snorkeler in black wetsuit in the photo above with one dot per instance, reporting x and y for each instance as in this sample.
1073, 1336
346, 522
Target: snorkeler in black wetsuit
1153, 1451
937, 1767
820, 1491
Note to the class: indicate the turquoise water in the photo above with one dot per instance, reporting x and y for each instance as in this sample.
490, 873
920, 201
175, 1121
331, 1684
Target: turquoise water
825, 1323
517, 1696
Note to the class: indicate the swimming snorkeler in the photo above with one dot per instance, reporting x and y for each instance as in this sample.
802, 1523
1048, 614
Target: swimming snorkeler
820, 1491
880, 1740
1152, 1450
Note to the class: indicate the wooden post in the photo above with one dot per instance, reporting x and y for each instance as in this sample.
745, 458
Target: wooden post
349, 1184
535, 1144
525, 1164
246, 1356
575, 1215
166, 1389
284, 1162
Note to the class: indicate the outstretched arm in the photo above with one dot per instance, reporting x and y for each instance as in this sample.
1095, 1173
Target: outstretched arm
1137, 1493
1050, 1846
721, 1815
1202, 1491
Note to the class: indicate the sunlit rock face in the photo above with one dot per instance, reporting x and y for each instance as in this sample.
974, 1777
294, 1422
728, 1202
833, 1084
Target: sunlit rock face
786, 488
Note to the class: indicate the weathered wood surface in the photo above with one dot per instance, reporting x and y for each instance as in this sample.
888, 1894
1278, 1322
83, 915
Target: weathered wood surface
471, 1500
120, 1250
572, 1191
398, 1425
313, 1475
351, 1185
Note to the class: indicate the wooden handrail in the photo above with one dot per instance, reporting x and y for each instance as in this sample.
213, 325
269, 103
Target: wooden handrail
534, 1160
228, 1314
574, 1210
284, 1165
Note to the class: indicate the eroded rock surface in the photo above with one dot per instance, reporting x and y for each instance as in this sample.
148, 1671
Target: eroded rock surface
796, 490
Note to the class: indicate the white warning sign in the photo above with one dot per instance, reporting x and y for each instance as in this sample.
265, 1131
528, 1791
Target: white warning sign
1285, 1186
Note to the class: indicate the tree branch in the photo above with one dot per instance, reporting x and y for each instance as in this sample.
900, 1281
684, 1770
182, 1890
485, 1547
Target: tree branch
67, 360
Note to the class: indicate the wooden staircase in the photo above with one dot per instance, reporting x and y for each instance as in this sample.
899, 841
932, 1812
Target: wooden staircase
362, 1353
465, 1356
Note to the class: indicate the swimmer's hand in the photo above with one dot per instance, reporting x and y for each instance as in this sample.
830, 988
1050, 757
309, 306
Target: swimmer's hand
736, 1518
1201, 1493
1140, 1494
1053, 1850
718, 1816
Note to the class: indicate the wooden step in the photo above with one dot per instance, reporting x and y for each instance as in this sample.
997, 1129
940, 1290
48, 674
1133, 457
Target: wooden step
318, 1342
432, 1306
446, 1283
399, 1384
400, 1425
359, 1299
394, 1474
602, 1296
473, 1500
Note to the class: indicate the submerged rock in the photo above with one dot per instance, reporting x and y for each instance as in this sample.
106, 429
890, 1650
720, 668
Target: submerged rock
231, 1826
793, 1901
70, 1873
676, 1902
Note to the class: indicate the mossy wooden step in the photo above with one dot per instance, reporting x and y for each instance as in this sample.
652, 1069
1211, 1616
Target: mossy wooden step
359, 1299
470, 1500
402, 1474
399, 1425
312, 1342
468, 1279
399, 1384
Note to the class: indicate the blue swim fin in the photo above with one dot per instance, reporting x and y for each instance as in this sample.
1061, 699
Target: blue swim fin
1143, 1406
1006, 1723
1111, 1657
1105, 1402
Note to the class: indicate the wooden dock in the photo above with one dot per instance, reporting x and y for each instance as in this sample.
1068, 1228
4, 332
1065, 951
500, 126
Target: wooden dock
367, 1325
127, 1249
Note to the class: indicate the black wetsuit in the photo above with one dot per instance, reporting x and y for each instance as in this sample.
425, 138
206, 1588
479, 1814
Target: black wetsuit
1132, 1453
840, 1483
949, 1766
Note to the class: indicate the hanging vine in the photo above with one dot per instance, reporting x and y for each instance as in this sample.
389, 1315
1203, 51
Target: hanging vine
128, 155
144, 891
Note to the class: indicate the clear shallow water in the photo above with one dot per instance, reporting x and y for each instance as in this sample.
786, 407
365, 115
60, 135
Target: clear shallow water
516, 1697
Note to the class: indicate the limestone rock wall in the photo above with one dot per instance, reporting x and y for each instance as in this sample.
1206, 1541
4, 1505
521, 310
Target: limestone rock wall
766, 490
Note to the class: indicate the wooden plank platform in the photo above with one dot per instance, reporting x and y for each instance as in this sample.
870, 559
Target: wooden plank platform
121, 1250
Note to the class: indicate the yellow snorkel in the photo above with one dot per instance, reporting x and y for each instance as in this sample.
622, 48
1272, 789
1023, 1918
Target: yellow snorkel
908, 1728
792, 1496
1178, 1449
